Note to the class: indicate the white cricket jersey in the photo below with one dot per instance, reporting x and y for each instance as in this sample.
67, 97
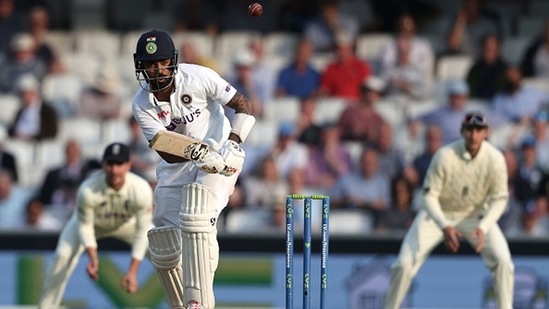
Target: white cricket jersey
101, 208
457, 183
195, 109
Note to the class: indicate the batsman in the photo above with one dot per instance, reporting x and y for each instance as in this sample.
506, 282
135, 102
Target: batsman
190, 194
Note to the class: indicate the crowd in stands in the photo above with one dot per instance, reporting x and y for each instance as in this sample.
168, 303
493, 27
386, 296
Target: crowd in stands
352, 99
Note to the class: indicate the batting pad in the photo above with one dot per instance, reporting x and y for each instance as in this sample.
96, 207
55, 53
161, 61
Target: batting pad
200, 249
165, 247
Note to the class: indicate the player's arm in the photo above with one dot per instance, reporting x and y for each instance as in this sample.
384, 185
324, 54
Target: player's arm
498, 194
243, 120
432, 186
86, 219
143, 219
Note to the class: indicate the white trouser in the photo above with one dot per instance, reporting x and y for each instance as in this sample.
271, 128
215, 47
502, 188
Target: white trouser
68, 252
424, 235
168, 199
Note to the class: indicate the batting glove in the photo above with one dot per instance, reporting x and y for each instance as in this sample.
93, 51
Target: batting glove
233, 156
212, 162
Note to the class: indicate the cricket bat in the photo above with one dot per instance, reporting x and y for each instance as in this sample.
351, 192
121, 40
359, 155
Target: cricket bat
179, 145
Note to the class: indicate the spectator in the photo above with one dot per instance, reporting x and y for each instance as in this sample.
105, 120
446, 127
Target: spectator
289, 155
11, 23
405, 77
486, 77
541, 135
143, 159
58, 190
366, 188
39, 28
22, 60
420, 52
38, 218
535, 61
343, 77
471, 23
448, 117
12, 202
518, 102
433, 141
8, 162
244, 81
262, 70
265, 186
307, 129
101, 101
189, 54
299, 79
511, 218
400, 214
323, 30
35, 119
391, 157
529, 175
361, 122
197, 15
328, 159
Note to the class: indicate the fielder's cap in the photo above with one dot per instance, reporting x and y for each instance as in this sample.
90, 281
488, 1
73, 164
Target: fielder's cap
117, 152
528, 142
374, 83
154, 45
475, 119
27, 82
22, 42
458, 87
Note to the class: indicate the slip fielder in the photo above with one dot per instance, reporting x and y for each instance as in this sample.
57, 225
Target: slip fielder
111, 203
464, 194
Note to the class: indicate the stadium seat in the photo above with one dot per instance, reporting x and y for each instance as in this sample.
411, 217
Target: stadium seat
63, 92
264, 133
116, 130
10, 105
203, 43
281, 44
453, 67
100, 43
513, 48
246, 220
50, 153
226, 43
329, 109
62, 42
84, 130
369, 46
350, 222
281, 109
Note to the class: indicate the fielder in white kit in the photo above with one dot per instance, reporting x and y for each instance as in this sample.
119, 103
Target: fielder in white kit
464, 194
111, 203
188, 99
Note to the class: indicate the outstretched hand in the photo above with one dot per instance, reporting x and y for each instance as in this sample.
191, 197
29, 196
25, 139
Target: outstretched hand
129, 282
478, 236
93, 269
451, 239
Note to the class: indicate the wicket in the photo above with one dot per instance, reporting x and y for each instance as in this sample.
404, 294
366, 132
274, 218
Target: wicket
308, 200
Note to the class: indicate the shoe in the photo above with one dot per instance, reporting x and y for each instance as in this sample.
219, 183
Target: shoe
194, 305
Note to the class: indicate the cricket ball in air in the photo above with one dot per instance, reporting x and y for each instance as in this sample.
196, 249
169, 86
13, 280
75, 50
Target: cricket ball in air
255, 9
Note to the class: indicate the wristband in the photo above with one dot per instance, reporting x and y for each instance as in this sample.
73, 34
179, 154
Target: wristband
242, 125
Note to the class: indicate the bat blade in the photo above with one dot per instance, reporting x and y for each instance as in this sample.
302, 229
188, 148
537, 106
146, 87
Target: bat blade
179, 145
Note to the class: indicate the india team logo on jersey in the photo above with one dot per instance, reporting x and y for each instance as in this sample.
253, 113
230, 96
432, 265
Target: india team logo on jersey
186, 99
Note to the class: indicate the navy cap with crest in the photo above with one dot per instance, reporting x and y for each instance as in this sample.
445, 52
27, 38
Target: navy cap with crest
117, 152
154, 45
475, 119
